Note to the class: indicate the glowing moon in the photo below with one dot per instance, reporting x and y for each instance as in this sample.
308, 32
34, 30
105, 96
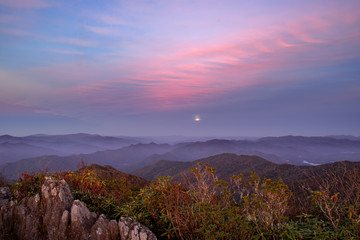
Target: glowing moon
197, 118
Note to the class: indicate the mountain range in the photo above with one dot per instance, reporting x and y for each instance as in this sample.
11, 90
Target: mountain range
37, 152
17, 148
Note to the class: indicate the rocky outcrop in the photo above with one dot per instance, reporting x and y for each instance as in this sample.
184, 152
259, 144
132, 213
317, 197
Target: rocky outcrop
56, 199
55, 215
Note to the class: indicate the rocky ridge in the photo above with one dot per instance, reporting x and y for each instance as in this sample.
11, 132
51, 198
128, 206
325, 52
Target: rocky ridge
56, 215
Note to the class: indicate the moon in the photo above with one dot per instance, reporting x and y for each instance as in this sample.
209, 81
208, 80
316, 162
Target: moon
197, 118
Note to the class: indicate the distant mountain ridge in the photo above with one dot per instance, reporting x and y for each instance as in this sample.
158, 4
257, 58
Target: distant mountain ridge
17, 148
122, 159
296, 150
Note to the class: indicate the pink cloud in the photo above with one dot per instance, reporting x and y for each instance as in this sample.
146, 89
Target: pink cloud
226, 66
284, 44
163, 89
189, 73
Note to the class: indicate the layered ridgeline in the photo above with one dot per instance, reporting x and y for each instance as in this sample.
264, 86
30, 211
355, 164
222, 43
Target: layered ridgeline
289, 149
123, 159
16, 148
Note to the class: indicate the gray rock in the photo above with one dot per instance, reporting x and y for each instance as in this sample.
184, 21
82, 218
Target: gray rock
56, 198
81, 221
131, 230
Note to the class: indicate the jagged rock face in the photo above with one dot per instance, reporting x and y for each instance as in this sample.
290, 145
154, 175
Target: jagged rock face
56, 199
56, 216
23, 221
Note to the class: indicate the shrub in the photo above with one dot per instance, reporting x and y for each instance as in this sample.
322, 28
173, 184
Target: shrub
29, 184
337, 198
100, 196
204, 210
264, 202
148, 207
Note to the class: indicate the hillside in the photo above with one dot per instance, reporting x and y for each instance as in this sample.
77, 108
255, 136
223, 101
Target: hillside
227, 165
108, 172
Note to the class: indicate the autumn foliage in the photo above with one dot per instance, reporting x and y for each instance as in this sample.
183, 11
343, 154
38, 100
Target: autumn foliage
204, 207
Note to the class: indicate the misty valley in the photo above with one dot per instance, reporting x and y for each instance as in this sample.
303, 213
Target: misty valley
175, 187
131, 154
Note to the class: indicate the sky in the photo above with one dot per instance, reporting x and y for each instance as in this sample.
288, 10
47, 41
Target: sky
180, 67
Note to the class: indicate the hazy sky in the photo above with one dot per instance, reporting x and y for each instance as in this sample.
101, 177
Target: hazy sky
240, 68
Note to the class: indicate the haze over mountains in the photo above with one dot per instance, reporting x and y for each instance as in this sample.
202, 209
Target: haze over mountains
16, 148
64, 152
